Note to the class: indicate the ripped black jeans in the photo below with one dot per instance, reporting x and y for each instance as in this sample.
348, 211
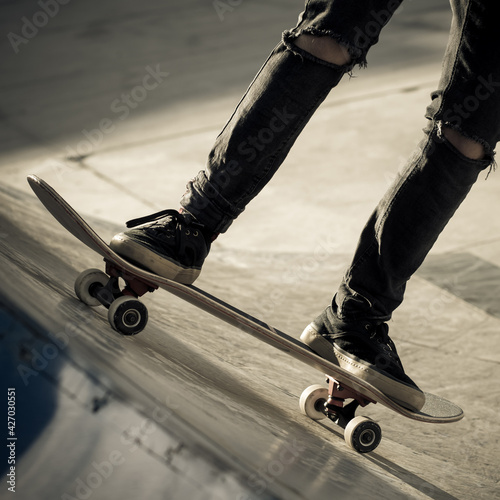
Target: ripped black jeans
289, 88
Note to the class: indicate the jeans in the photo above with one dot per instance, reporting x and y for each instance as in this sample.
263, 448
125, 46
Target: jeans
437, 177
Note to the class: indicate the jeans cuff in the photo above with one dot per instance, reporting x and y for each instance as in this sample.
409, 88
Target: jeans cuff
204, 201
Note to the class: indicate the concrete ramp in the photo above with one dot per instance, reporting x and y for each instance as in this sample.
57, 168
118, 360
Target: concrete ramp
192, 408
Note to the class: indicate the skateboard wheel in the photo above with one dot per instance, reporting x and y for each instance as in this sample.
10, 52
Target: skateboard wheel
86, 282
312, 400
362, 434
127, 315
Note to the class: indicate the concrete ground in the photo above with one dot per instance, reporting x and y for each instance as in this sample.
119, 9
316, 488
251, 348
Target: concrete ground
75, 110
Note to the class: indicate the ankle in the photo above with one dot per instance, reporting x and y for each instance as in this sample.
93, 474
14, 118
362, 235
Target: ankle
209, 235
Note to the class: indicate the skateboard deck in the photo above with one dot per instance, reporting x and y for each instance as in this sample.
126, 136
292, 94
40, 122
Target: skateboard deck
435, 409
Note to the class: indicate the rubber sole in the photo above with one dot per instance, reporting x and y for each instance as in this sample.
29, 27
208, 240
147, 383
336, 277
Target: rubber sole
404, 394
151, 261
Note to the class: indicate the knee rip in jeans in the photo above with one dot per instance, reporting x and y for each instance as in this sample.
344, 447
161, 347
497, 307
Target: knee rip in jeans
325, 48
472, 147
322, 47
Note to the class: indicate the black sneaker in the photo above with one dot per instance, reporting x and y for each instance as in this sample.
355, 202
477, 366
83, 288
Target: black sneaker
367, 351
168, 243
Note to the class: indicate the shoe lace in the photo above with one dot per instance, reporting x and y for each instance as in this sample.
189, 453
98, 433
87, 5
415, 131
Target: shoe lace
170, 223
155, 217
381, 335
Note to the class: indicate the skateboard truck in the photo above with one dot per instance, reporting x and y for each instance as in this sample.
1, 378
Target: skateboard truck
317, 402
126, 313
337, 395
134, 286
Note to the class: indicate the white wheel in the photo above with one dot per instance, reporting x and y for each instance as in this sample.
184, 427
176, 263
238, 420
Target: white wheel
312, 401
88, 280
127, 315
363, 434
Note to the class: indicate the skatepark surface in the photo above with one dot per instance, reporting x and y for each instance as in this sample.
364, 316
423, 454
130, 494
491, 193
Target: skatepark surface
117, 106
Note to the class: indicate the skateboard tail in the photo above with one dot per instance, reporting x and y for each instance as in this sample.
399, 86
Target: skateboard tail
54, 203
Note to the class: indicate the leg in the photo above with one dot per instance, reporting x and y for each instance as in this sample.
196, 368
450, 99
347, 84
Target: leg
463, 129
256, 140
253, 144
331, 37
406, 224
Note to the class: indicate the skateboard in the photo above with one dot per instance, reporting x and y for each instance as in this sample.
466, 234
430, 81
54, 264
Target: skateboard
128, 315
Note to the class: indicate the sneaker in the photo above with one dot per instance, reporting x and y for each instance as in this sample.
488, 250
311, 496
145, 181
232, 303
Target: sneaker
168, 243
367, 351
